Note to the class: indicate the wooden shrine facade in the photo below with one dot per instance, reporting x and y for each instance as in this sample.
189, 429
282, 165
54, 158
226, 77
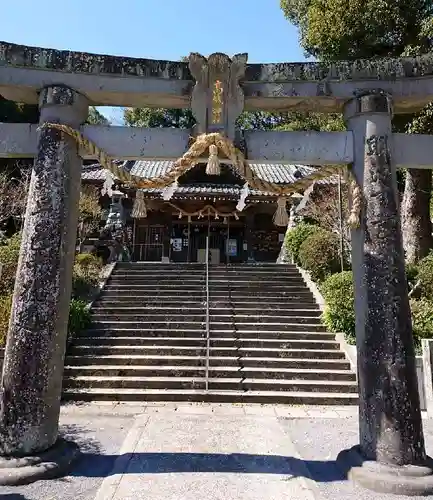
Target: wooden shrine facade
202, 205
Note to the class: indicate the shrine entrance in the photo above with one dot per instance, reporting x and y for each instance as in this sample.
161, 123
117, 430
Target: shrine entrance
391, 455
148, 243
226, 242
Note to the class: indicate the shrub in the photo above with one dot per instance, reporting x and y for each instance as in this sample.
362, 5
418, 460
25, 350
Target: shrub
422, 320
339, 315
5, 312
320, 255
87, 269
79, 317
88, 260
296, 236
9, 255
411, 275
425, 275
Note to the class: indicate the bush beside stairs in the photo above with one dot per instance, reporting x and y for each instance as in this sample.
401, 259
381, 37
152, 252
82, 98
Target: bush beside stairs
147, 341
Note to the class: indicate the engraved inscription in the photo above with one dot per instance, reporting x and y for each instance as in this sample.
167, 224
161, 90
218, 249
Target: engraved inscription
377, 145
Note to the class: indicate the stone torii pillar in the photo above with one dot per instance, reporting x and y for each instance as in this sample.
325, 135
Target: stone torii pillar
391, 456
33, 367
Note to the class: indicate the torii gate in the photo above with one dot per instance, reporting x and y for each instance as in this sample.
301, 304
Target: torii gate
391, 455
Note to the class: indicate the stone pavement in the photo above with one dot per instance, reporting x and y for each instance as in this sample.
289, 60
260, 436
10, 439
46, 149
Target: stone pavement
205, 452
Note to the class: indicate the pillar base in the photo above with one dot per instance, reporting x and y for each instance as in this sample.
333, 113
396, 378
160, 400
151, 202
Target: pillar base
409, 480
52, 463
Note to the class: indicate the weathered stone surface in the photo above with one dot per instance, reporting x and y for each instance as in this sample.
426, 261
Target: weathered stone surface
416, 222
82, 62
49, 464
33, 365
390, 417
124, 81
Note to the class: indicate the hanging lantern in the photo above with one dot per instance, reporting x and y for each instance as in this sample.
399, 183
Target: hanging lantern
236, 216
189, 219
139, 210
180, 215
225, 220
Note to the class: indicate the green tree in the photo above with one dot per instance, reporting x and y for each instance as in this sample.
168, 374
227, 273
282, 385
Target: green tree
13, 112
96, 118
352, 29
159, 117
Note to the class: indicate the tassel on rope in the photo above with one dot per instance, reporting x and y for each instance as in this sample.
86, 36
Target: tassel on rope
169, 191
107, 188
213, 165
354, 220
281, 217
139, 210
242, 199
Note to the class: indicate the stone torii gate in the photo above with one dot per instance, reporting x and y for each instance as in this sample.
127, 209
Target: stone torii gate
391, 455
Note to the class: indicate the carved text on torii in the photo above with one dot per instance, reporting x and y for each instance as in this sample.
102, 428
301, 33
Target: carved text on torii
377, 145
217, 98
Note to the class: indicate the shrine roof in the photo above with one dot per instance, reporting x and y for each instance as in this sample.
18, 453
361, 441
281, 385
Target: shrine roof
270, 172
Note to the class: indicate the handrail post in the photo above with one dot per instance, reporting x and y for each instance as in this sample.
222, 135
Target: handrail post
207, 314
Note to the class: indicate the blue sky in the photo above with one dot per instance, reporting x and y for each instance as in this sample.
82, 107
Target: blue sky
156, 29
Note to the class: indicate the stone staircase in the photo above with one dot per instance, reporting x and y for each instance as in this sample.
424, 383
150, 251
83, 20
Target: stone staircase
148, 339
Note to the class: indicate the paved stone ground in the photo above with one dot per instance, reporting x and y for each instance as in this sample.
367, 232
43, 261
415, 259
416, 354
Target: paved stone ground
205, 452
100, 434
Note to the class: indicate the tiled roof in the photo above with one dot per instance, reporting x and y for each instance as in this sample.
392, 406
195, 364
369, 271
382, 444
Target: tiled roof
271, 172
209, 190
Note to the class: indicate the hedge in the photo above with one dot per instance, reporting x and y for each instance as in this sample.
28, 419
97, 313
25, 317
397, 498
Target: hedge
319, 254
296, 236
339, 314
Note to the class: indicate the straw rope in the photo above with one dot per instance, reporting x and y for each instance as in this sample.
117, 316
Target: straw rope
204, 210
191, 157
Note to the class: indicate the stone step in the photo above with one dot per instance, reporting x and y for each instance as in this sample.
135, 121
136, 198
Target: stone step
191, 298
156, 273
287, 309
148, 339
143, 360
286, 276
97, 315
201, 342
169, 285
213, 283
262, 397
234, 384
214, 352
182, 310
201, 333
198, 284
214, 371
214, 325
158, 265
215, 295
268, 302
160, 325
